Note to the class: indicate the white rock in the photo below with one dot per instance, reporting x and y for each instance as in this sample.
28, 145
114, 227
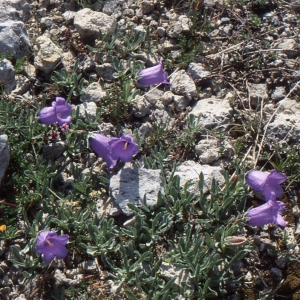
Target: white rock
208, 151
93, 93
181, 102
89, 108
290, 240
257, 93
189, 172
7, 75
131, 185
214, 111
279, 93
197, 71
88, 23
13, 38
182, 84
141, 107
47, 54
167, 98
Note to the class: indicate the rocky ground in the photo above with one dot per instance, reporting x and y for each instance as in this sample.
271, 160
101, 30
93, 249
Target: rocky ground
232, 106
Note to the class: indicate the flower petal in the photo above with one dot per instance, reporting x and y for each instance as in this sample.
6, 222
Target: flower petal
123, 148
153, 75
256, 179
47, 116
99, 143
260, 215
280, 221
48, 256
59, 250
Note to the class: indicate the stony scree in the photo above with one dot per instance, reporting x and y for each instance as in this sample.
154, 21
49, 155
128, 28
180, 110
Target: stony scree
132, 185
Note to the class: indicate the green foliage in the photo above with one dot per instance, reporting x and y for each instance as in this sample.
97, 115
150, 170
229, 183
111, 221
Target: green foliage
70, 84
255, 21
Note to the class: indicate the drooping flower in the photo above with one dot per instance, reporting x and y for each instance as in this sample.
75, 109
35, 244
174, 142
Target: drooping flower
50, 244
267, 213
99, 143
153, 75
112, 149
123, 148
60, 112
266, 183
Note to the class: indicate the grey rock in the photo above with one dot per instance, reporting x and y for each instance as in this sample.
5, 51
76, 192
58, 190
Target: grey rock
197, 71
47, 54
4, 154
174, 29
131, 185
7, 75
68, 16
87, 108
141, 107
290, 47
257, 93
21, 297
290, 240
214, 112
60, 277
54, 150
167, 98
106, 71
146, 129
111, 6
182, 84
17, 10
279, 93
89, 266
208, 151
93, 93
14, 38
181, 102
140, 28
161, 32
88, 23
189, 172
147, 5
169, 272
154, 96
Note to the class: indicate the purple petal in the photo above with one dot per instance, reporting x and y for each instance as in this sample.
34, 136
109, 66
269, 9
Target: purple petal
280, 221
59, 250
63, 239
269, 188
60, 101
256, 179
153, 75
100, 145
62, 121
47, 116
260, 215
275, 177
123, 148
48, 256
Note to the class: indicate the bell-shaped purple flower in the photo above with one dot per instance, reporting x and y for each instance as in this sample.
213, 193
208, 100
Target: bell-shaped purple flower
153, 75
112, 149
123, 148
60, 113
267, 213
50, 244
99, 143
266, 182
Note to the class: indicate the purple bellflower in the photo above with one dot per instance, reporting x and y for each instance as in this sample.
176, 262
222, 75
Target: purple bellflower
112, 149
267, 213
50, 244
123, 148
60, 112
266, 182
153, 75
99, 143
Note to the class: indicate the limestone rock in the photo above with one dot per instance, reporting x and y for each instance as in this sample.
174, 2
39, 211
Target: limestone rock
88, 23
7, 75
131, 185
214, 111
197, 71
14, 38
189, 172
93, 93
87, 108
141, 107
257, 93
182, 84
47, 55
